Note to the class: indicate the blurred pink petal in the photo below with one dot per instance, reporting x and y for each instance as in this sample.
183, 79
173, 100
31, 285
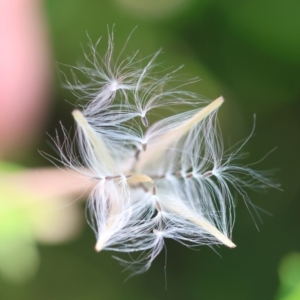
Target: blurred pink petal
25, 73
49, 182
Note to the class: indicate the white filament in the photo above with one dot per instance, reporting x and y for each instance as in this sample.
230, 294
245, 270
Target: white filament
171, 179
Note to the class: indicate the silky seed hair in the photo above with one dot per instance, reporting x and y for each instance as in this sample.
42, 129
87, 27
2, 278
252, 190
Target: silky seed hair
151, 180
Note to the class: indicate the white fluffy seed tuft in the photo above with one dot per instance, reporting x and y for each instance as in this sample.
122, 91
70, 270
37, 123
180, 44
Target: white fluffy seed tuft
168, 179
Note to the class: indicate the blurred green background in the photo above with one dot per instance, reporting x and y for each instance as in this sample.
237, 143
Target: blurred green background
247, 51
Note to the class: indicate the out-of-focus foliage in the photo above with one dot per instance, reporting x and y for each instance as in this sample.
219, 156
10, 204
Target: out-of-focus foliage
18, 252
26, 218
247, 51
289, 273
270, 26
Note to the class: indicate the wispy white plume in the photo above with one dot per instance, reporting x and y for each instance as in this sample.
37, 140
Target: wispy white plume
170, 179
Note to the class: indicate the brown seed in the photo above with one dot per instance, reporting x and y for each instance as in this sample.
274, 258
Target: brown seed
154, 190
189, 175
145, 121
158, 206
112, 177
207, 174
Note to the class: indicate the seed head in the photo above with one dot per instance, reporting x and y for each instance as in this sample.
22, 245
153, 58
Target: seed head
153, 180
